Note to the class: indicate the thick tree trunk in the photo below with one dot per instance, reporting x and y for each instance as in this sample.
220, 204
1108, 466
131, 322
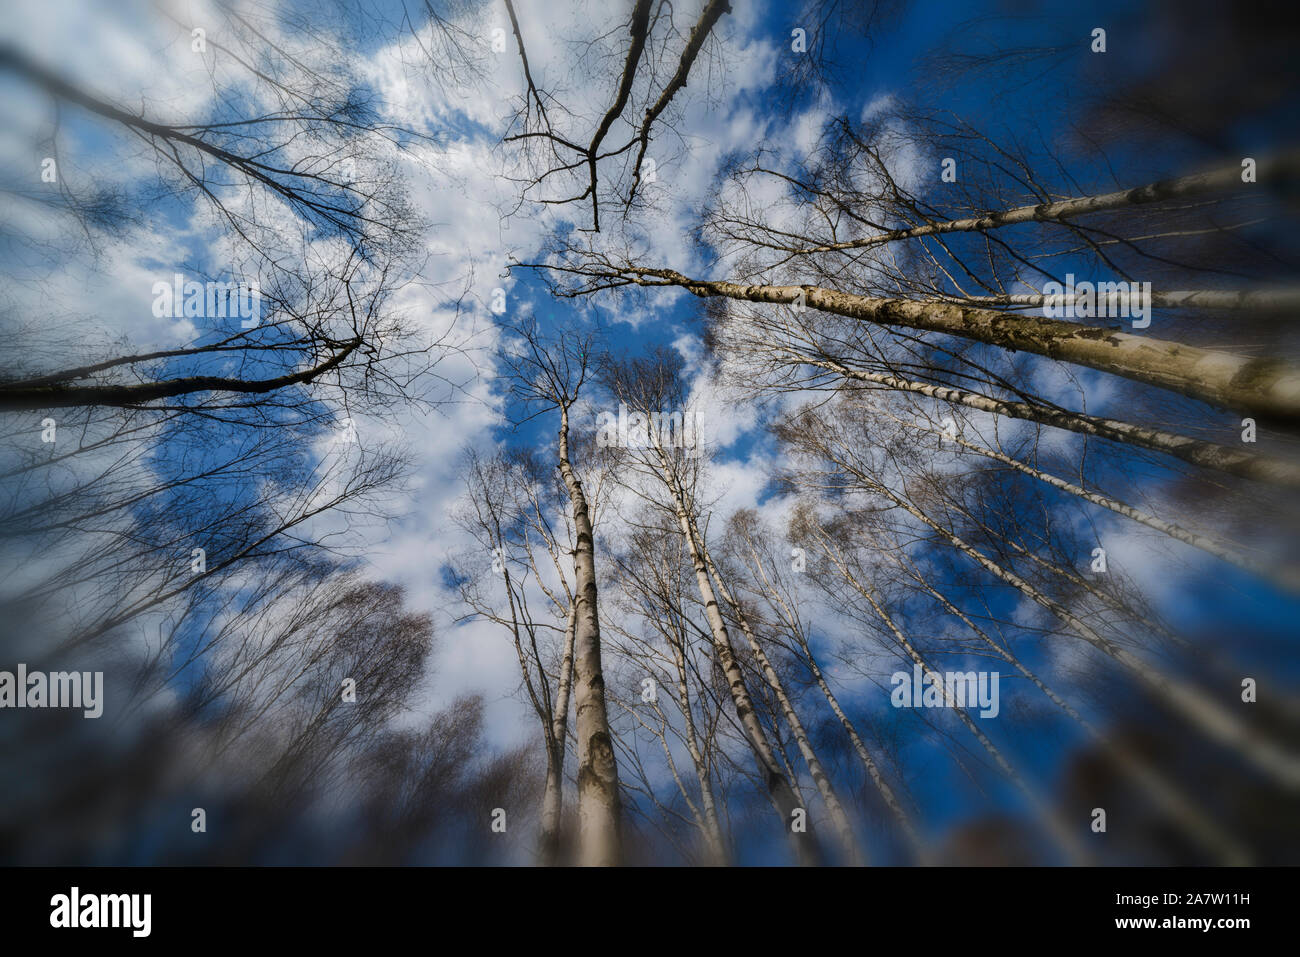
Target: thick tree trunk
1247, 299
1263, 386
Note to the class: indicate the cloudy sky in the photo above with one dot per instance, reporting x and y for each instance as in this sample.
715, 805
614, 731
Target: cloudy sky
456, 90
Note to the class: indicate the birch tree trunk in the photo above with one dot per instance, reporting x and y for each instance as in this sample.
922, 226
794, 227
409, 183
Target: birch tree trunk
713, 827
1264, 386
778, 786
1288, 577
839, 817
599, 806
1197, 708
553, 796
877, 779
1060, 211
1246, 299
1197, 452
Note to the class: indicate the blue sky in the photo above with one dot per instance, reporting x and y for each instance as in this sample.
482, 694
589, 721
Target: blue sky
458, 182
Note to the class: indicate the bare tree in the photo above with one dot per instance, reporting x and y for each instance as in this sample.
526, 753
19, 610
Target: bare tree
891, 473
645, 87
650, 389
510, 508
547, 375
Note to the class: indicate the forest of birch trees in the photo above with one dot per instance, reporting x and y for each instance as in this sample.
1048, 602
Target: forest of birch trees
793, 413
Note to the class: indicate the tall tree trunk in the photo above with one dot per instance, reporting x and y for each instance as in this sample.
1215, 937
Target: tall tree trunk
1196, 451
1062, 210
1198, 709
839, 817
1264, 386
882, 786
713, 827
1247, 299
1286, 576
599, 805
779, 790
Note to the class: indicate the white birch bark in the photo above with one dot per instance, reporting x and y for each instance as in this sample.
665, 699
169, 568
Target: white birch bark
782, 794
1287, 577
1197, 184
1197, 452
839, 817
599, 804
1263, 386
553, 795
